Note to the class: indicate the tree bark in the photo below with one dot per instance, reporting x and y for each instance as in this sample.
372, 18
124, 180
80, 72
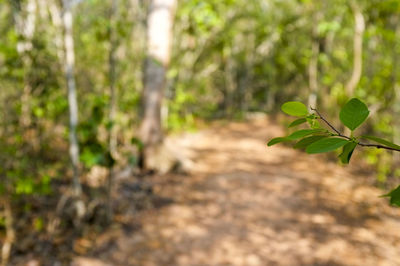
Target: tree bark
56, 18
72, 97
159, 38
112, 138
396, 89
313, 75
229, 79
359, 27
25, 26
245, 79
313, 65
10, 232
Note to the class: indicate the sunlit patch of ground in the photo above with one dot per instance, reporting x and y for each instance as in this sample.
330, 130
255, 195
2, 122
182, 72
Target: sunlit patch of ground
246, 204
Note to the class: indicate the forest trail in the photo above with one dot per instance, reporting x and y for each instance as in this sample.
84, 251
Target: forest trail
246, 204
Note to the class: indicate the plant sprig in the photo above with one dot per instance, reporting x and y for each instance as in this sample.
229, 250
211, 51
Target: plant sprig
392, 146
319, 140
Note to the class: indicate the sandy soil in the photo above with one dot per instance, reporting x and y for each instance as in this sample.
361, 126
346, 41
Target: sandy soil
246, 204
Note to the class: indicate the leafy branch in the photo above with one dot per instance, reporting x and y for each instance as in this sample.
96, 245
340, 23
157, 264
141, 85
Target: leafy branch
319, 140
339, 134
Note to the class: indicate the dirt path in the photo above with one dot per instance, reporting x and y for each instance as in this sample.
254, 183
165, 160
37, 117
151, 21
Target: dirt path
245, 204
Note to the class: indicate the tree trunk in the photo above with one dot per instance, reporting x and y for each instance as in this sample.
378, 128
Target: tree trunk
270, 99
112, 138
229, 70
10, 232
159, 38
396, 88
313, 75
72, 97
245, 78
42, 9
359, 27
313, 65
25, 25
56, 18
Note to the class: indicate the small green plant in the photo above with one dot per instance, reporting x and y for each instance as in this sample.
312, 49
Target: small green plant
317, 139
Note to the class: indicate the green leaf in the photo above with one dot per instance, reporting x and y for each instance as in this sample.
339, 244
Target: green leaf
326, 145
353, 113
294, 109
302, 133
347, 152
394, 196
276, 141
298, 122
381, 141
303, 143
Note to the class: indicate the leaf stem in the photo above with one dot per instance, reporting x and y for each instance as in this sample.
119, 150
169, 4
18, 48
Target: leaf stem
327, 122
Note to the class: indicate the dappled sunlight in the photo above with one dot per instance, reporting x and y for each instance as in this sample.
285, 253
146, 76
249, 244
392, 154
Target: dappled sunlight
245, 204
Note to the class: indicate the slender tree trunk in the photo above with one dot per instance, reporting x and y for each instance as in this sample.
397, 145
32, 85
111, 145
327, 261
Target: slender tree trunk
42, 9
229, 85
313, 65
112, 138
396, 131
359, 27
270, 99
245, 80
25, 25
5, 199
10, 232
396, 88
313, 75
269, 93
56, 18
264, 49
159, 38
72, 97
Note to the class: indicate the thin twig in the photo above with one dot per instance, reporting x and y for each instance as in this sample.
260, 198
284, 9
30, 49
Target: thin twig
339, 134
378, 146
326, 122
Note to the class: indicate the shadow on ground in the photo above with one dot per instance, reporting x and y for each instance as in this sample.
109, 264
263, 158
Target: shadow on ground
246, 204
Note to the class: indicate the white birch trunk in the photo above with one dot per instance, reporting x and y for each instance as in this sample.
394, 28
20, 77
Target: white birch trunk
72, 97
